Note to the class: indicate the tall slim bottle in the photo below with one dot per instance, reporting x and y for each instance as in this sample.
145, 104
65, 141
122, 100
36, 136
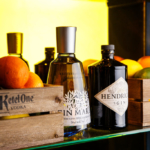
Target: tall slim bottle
42, 67
14, 43
67, 70
108, 91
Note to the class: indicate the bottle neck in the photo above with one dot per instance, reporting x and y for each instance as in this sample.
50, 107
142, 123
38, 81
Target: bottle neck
16, 55
49, 56
107, 56
66, 55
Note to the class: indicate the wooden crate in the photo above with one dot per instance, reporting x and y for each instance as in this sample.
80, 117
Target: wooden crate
139, 89
34, 130
139, 102
139, 113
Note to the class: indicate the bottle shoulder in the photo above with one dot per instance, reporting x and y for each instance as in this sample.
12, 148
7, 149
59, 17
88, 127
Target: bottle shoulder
108, 63
43, 62
66, 60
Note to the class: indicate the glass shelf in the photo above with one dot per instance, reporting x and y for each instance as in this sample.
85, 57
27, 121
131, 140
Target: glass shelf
94, 135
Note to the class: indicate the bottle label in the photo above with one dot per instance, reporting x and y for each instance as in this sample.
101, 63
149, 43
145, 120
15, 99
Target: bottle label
115, 96
76, 108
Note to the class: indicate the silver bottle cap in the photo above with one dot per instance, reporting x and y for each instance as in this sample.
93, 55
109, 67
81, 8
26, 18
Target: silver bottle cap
66, 37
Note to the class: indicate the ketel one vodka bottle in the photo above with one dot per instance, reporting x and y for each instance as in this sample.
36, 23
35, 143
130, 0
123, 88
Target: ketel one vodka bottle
67, 70
108, 91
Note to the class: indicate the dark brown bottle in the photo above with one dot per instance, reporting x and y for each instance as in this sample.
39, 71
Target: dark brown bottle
42, 67
14, 43
108, 91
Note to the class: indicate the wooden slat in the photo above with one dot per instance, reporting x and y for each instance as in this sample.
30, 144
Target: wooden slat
135, 123
146, 124
139, 113
146, 108
146, 89
146, 111
31, 100
139, 89
135, 112
31, 131
135, 88
139, 123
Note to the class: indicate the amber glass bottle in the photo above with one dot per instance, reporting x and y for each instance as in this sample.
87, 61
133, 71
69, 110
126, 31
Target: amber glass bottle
42, 67
67, 70
108, 91
14, 43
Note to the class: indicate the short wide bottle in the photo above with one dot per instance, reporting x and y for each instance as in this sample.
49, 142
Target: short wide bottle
68, 71
108, 91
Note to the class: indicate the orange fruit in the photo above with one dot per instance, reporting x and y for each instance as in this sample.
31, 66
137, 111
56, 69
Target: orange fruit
118, 58
33, 81
132, 67
86, 63
144, 61
14, 72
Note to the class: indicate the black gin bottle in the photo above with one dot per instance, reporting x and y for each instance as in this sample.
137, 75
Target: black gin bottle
108, 91
42, 67
68, 71
15, 44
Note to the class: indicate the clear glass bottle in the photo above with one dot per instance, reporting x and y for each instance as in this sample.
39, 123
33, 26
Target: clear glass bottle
14, 43
67, 70
42, 67
108, 91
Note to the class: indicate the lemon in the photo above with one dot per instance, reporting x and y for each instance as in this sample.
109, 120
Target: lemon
144, 73
14, 116
133, 66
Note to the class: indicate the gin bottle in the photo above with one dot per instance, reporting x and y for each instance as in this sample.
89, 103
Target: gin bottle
67, 70
108, 91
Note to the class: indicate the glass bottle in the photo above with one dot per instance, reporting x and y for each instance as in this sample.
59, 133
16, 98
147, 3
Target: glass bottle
14, 43
67, 70
42, 67
108, 91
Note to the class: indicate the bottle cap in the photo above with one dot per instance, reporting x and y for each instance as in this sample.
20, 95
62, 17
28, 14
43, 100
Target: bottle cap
108, 47
14, 42
50, 49
66, 37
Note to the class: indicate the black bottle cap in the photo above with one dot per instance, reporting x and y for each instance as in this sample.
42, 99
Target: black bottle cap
49, 49
108, 47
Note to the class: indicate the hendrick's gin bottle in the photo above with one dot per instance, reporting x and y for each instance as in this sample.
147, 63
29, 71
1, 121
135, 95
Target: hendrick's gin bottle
108, 91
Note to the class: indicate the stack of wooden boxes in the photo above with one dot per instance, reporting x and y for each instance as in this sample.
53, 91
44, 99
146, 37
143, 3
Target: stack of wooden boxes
139, 102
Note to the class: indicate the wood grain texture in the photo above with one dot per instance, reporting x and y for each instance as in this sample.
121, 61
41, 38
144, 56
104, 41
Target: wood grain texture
135, 88
135, 112
146, 90
139, 89
30, 100
31, 131
139, 113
